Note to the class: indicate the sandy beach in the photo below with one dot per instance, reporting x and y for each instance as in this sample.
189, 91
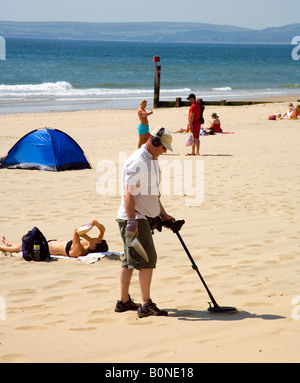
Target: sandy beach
244, 238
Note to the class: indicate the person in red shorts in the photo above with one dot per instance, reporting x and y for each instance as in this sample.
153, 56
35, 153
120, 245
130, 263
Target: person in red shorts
194, 124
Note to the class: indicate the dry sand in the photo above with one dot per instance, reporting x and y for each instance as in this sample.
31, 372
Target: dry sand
244, 238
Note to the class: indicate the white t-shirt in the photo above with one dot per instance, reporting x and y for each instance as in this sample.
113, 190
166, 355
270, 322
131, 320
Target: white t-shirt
142, 173
290, 111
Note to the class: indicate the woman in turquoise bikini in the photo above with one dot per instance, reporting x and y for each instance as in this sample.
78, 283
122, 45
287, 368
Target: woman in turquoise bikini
143, 128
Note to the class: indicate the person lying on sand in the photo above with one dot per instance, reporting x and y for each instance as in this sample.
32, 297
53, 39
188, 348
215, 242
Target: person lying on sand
296, 114
182, 130
75, 248
289, 112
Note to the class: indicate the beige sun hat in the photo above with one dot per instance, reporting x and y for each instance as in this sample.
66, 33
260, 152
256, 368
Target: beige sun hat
165, 137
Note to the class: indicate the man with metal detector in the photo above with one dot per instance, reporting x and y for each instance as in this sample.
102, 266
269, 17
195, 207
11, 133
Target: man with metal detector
141, 203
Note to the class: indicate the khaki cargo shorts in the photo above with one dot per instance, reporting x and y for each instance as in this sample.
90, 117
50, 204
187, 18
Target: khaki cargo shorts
132, 259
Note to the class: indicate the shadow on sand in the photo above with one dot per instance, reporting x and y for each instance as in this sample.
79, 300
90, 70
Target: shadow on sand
194, 315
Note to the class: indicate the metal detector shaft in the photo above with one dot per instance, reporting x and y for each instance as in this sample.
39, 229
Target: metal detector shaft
195, 267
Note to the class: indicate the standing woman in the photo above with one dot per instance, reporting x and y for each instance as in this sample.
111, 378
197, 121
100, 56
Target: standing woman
143, 128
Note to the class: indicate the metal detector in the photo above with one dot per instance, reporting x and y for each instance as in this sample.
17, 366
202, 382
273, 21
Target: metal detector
176, 227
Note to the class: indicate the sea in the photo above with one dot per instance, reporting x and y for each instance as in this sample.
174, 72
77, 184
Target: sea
40, 75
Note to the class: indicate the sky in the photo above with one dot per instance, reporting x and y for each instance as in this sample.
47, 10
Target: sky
253, 14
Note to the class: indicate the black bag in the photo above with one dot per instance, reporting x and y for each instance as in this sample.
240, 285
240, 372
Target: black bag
35, 246
202, 121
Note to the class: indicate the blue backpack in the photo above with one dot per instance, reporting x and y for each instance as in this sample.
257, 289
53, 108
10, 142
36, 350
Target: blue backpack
35, 246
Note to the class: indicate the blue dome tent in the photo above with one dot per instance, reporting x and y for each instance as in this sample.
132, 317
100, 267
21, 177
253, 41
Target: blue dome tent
46, 149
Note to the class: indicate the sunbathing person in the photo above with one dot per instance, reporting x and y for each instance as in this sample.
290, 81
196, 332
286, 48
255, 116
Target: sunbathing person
182, 130
2, 158
215, 125
290, 111
75, 248
296, 114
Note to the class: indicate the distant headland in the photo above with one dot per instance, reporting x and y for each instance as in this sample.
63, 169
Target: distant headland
149, 32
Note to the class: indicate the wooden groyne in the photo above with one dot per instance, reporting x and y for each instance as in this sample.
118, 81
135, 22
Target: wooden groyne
178, 103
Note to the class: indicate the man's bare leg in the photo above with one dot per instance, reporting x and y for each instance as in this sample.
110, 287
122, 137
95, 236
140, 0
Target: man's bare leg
193, 151
125, 278
145, 277
197, 145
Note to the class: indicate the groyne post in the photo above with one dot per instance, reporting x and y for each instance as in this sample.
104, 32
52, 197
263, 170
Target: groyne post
156, 59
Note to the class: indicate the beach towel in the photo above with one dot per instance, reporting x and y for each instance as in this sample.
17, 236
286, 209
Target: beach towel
87, 259
91, 257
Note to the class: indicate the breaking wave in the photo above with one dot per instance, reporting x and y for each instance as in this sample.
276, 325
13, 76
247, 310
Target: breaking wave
65, 89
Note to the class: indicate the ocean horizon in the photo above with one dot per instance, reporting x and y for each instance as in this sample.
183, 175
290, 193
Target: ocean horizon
65, 75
